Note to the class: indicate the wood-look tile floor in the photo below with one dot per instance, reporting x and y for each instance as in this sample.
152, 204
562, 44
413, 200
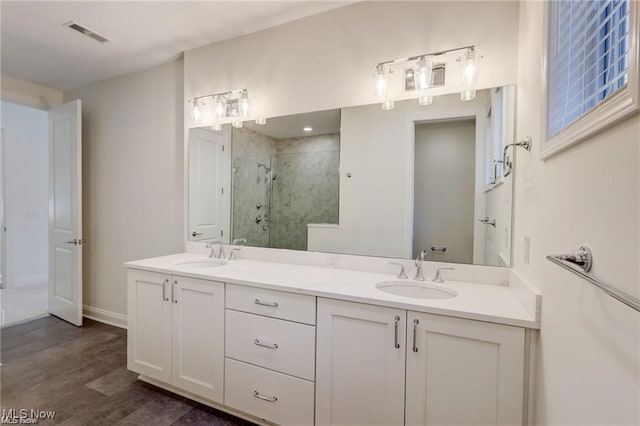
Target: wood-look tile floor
81, 374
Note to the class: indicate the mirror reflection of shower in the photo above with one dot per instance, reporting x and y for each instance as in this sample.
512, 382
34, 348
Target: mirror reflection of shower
285, 180
265, 220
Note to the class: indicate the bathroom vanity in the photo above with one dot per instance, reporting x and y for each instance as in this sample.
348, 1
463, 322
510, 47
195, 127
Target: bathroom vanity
298, 344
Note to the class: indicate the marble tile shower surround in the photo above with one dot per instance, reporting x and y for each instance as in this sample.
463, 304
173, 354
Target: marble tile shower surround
305, 188
305, 191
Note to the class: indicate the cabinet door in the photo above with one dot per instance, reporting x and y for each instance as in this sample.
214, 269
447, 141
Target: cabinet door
464, 372
149, 324
198, 336
360, 366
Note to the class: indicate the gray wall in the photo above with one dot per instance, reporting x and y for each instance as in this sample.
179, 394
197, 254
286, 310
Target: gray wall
132, 140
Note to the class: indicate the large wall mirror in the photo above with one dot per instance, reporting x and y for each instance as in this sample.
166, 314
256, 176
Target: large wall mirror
361, 180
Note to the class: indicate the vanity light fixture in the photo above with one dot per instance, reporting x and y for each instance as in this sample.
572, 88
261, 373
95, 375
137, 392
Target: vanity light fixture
381, 77
196, 114
424, 73
469, 74
221, 107
307, 129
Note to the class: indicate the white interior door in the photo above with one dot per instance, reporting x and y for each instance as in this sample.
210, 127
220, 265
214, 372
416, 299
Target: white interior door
65, 212
209, 191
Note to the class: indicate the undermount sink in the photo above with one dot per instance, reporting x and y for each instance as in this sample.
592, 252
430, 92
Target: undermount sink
205, 262
415, 290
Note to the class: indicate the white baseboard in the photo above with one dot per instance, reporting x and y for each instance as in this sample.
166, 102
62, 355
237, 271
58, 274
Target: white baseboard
102, 315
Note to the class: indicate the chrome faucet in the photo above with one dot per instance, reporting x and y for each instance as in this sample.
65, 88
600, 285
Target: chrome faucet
438, 278
419, 275
211, 245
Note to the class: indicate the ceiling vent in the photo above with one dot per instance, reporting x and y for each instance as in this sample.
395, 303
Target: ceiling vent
83, 30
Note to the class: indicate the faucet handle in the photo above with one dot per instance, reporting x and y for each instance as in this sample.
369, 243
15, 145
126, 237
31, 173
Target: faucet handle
438, 278
232, 253
403, 272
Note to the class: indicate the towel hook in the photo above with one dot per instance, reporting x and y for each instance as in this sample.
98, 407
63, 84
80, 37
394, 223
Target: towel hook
506, 161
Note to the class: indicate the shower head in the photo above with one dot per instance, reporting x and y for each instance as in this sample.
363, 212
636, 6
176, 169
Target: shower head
266, 169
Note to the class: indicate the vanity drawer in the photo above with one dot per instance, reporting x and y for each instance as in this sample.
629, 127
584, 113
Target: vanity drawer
272, 303
284, 346
269, 395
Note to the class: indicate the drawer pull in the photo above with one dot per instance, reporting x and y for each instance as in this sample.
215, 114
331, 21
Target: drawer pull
265, 345
271, 305
256, 394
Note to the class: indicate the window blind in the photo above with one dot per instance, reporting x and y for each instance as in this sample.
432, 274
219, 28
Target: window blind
588, 57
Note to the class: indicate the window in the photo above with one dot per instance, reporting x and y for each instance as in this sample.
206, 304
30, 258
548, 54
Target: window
591, 77
499, 132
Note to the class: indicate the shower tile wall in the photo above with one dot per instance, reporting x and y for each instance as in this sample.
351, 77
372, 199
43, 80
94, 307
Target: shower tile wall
305, 189
305, 186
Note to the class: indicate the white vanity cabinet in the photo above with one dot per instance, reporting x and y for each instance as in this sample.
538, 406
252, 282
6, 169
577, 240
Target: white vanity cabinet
360, 369
463, 372
454, 371
176, 331
270, 341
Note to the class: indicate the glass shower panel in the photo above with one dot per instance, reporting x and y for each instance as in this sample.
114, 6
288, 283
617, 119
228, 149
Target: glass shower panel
251, 195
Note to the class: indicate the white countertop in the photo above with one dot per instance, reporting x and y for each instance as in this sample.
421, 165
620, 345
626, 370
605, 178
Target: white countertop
491, 303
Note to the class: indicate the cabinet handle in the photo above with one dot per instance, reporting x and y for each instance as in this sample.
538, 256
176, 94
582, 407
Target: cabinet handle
173, 297
395, 332
257, 394
164, 290
265, 345
271, 305
415, 332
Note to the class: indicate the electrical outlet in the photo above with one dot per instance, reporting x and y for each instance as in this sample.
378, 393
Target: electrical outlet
527, 250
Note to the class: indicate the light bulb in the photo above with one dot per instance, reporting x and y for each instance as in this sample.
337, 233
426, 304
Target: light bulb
425, 100
195, 111
423, 73
216, 127
221, 107
261, 121
388, 105
381, 77
244, 103
469, 74
237, 124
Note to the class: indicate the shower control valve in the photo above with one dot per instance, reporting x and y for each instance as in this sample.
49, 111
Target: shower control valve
258, 219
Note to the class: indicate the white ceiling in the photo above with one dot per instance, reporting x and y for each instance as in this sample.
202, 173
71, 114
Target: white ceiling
37, 47
291, 126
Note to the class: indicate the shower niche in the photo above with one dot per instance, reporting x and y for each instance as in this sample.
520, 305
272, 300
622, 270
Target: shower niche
285, 177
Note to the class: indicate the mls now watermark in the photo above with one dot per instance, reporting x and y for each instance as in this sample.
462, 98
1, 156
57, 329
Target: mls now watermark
24, 416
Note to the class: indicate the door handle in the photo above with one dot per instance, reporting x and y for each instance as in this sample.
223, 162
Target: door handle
415, 331
395, 333
173, 286
164, 290
196, 234
77, 241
